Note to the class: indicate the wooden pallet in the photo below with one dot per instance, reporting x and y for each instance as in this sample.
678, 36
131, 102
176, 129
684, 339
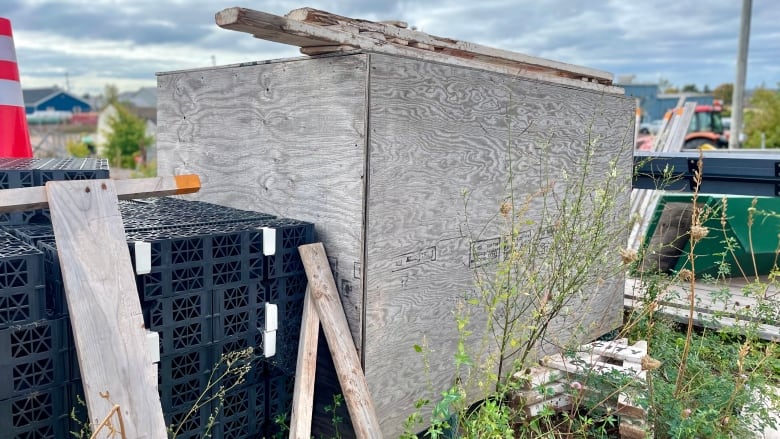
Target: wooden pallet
711, 310
559, 380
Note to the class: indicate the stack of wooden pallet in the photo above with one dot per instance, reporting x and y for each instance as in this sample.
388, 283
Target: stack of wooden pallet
717, 305
565, 382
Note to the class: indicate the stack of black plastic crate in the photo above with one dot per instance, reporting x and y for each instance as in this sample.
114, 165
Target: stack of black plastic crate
206, 295
35, 343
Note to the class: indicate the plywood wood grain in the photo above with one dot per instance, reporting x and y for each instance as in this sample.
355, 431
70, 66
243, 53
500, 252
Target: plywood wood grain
378, 151
437, 133
284, 138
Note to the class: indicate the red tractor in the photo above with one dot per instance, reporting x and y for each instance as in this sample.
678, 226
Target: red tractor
705, 131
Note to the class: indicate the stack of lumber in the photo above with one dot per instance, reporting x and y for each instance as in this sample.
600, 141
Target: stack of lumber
565, 382
318, 32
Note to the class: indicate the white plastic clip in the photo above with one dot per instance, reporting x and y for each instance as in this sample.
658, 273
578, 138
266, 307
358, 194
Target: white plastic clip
153, 345
269, 344
269, 241
271, 317
143, 257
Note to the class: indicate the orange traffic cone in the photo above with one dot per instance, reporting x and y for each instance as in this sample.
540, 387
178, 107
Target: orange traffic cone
14, 136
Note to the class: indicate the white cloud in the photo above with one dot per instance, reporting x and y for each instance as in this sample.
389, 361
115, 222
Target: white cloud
127, 41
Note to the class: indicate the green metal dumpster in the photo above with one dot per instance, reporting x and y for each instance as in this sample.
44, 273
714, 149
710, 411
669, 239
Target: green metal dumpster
738, 242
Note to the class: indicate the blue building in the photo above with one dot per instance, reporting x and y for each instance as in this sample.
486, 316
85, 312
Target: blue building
654, 104
53, 99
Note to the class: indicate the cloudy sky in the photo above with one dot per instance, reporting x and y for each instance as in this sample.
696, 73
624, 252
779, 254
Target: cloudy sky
124, 42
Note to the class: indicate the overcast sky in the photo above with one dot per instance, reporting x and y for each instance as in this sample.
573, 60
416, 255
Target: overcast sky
124, 42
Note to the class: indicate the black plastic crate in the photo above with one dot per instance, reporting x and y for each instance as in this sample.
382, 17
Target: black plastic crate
70, 169
166, 311
56, 304
239, 342
197, 424
287, 336
34, 372
239, 415
21, 305
236, 311
183, 365
288, 288
21, 265
16, 173
39, 414
35, 356
32, 233
278, 400
290, 234
185, 393
40, 339
185, 335
183, 321
167, 212
16, 218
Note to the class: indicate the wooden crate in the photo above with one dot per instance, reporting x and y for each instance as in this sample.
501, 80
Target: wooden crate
377, 150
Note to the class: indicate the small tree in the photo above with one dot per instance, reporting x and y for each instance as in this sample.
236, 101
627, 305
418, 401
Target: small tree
127, 134
724, 93
764, 117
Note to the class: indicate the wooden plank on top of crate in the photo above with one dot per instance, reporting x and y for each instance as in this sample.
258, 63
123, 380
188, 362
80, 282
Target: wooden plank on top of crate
105, 312
310, 33
452, 47
29, 198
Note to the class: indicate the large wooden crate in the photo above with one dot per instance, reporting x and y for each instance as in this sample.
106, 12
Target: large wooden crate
377, 150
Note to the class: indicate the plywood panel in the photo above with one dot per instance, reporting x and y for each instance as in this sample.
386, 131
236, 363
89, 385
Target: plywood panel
105, 313
435, 132
285, 138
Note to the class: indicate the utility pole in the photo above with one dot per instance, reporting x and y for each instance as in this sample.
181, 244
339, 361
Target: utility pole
739, 85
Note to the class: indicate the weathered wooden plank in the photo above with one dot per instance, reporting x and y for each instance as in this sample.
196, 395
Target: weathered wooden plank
616, 350
537, 376
305, 372
586, 368
533, 396
325, 298
627, 405
30, 198
105, 312
634, 429
266, 26
450, 46
294, 32
319, 50
558, 402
